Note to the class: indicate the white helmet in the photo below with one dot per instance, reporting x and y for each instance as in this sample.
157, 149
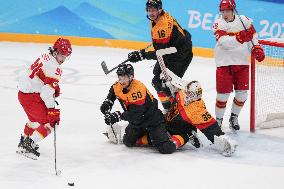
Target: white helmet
193, 92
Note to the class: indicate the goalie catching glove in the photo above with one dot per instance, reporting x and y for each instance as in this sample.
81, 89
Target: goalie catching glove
258, 53
136, 56
111, 118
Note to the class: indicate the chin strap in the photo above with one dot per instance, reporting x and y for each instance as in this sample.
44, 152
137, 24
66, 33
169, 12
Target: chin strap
150, 18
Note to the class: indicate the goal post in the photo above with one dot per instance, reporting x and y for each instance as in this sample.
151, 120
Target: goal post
267, 86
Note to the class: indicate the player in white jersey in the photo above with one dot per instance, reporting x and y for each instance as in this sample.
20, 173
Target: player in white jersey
232, 53
38, 87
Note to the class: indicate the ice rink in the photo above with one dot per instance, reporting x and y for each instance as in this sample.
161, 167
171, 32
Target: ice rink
87, 158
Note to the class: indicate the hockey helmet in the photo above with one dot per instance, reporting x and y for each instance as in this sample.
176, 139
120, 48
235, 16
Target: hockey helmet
193, 92
157, 4
125, 69
63, 46
227, 5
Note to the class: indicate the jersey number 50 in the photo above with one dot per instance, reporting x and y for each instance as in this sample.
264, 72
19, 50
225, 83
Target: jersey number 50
137, 95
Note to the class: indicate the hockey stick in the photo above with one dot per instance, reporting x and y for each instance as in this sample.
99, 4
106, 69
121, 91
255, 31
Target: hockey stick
114, 133
234, 7
107, 71
57, 172
171, 78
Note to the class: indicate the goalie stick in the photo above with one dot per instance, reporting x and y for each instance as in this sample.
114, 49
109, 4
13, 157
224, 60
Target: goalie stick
107, 71
172, 80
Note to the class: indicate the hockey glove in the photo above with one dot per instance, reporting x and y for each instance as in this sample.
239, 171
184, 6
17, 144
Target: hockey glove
111, 118
106, 106
244, 36
258, 53
57, 91
136, 56
53, 116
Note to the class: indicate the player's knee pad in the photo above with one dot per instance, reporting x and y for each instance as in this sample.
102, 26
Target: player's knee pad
223, 97
212, 130
221, 100
167, 147
158, 134
132, 135
128, 140
241, 95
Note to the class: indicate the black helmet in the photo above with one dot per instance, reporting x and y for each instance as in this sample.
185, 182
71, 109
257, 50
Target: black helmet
154, 4
125, 69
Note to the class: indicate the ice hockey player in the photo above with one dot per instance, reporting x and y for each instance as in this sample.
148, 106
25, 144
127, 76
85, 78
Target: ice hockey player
189, 111
189, 114
38, 87
166, 32
141, 111
232, 54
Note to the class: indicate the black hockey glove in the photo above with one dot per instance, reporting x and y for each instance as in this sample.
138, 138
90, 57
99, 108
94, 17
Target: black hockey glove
111, 118
136, 56
106, 106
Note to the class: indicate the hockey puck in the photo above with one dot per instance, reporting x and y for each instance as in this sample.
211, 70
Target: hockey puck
70, 183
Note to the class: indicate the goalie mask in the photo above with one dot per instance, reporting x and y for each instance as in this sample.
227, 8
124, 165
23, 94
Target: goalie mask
193, 92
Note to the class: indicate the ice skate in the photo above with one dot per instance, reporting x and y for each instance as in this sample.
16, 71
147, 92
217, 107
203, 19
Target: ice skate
234, 123
28, 148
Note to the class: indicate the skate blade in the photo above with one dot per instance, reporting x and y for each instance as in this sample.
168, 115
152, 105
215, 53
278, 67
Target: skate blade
27, 154
233, 131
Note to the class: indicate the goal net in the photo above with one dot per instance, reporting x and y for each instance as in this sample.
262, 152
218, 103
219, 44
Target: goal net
267, 86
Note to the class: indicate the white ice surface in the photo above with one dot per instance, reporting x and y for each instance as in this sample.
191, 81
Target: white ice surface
85, 156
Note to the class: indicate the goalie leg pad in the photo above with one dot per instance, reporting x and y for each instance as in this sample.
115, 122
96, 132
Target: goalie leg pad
115, 134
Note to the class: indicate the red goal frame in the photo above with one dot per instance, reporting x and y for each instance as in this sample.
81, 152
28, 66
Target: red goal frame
252, 92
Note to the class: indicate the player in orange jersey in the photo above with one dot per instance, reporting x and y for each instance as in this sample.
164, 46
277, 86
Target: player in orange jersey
166, 32
140, 110
190, 114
